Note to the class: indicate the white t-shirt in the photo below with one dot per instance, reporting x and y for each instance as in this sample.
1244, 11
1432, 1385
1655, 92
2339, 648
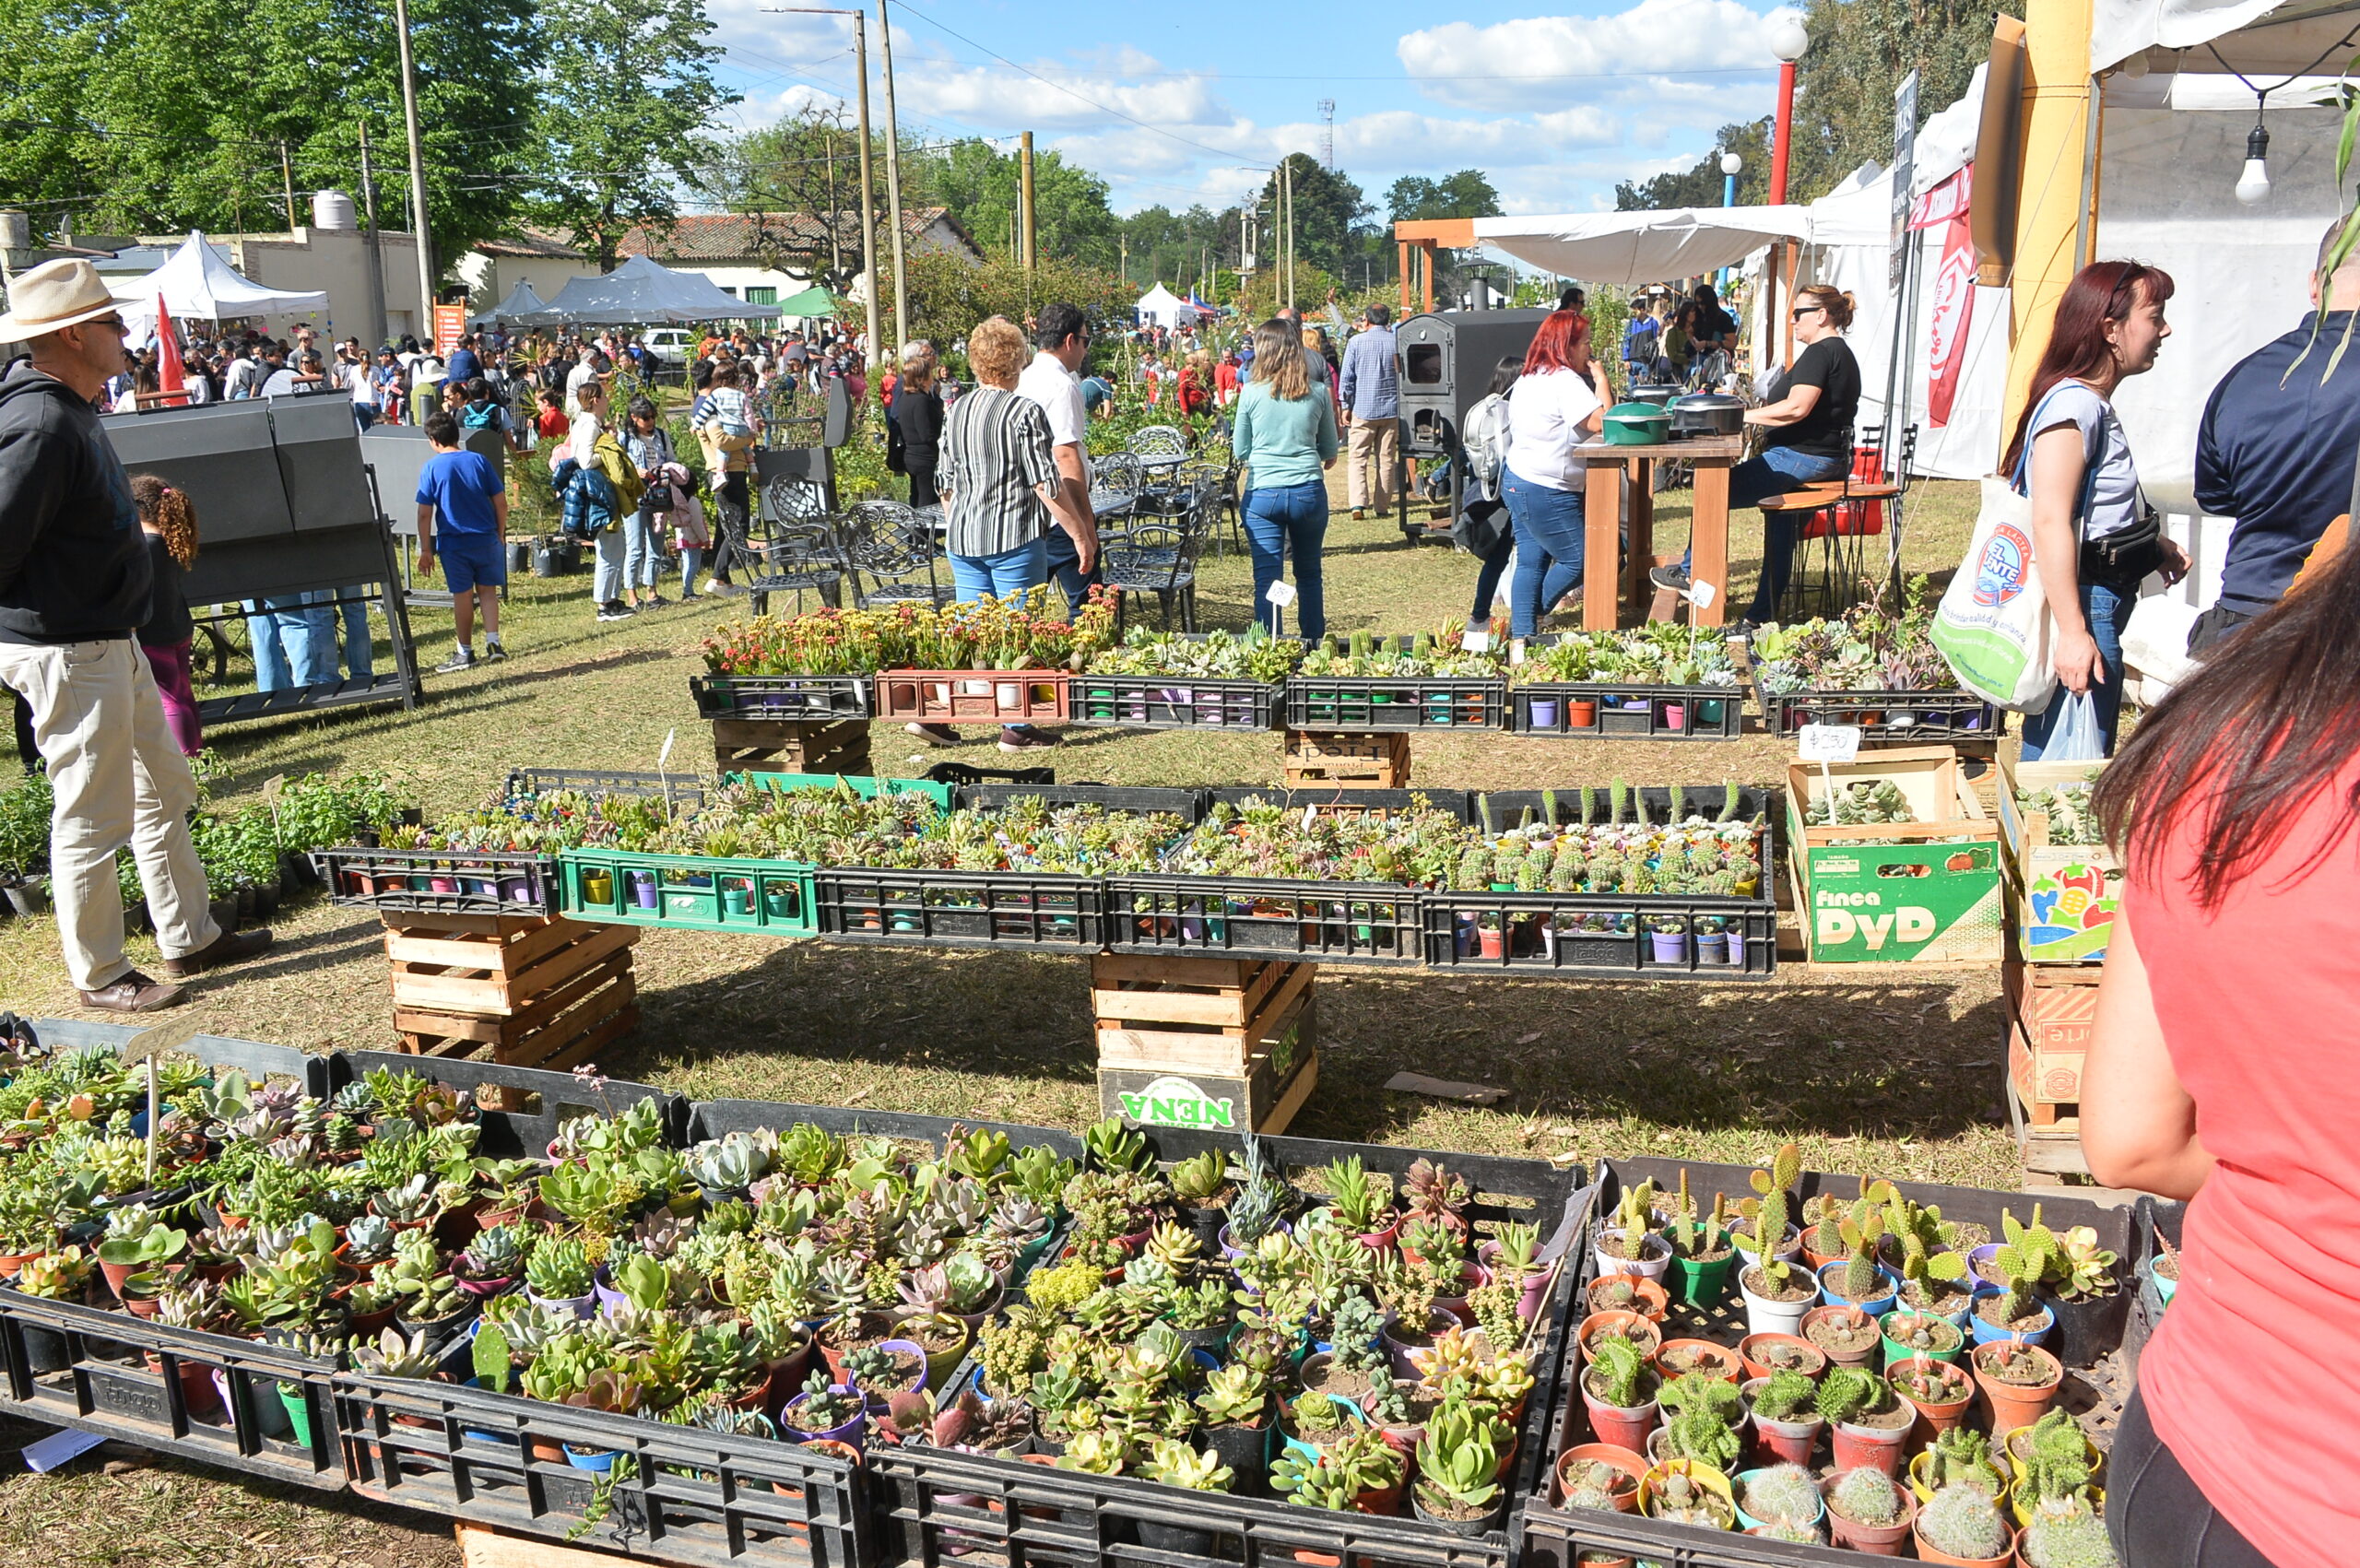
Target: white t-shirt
573, 380
581, 435
1545, 412
2111, 475
356, 381
1059, 392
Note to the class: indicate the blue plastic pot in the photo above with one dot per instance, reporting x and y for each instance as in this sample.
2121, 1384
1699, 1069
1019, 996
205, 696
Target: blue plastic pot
1985, 1334
1884, 1302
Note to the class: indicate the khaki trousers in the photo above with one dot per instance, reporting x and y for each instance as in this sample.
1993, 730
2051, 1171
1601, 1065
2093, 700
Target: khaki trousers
1374, 446
119, 778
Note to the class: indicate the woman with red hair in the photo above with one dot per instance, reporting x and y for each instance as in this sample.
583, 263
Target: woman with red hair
1554, 406
2094, 535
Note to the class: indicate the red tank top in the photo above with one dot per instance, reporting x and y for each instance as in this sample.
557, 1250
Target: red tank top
2253, 1378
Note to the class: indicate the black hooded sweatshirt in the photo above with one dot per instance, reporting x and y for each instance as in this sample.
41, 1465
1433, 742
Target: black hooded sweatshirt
73, 562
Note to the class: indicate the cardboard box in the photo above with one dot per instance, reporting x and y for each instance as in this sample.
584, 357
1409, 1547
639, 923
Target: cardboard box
2062, 896
2054, 1008
1926, 891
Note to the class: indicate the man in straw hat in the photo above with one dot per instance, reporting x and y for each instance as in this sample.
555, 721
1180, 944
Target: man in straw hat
74, 586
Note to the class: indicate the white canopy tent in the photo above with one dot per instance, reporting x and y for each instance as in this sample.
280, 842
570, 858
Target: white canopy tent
1642, 247
1161, 307
197, 284
2262, 38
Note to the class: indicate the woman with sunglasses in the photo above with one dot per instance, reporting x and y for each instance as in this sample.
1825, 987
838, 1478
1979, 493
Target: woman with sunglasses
1807, 438
2094, 535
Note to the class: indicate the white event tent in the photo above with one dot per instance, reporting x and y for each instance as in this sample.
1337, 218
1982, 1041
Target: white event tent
198, 285
1161, 307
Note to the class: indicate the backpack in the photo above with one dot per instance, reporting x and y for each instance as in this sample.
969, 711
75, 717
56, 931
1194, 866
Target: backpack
1639, 338
480, 416
1485, 438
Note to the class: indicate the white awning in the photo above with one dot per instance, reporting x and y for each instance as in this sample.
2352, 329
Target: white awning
1642, 247
2260, 38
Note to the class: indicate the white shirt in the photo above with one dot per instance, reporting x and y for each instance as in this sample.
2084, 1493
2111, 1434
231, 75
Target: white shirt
356, 381
239, 382
573, 380
1545, 412
1059, 392
581, 435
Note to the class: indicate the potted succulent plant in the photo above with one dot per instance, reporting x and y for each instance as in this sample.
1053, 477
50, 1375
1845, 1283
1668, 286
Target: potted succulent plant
1703, 1413
1682, 1492
1961, 1456
1775, 1294
1854, 1280
2012, 1309
2019, 1381
1202, 1188
1938, 1391
1702, 1251
1765, 1354
1600, 1476
1174, 1463
1630, 1245
827, 1411
1869, 1423
1960, 1526
1866, 1512
1459, 1461
1626, 1292
1785, 1412
1621, 1391
1907, 1332
1779, 1494
1848, 1334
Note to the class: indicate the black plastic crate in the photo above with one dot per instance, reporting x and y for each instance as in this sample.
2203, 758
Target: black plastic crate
532, 1104
942, 1507
1551, 1537
691, 1496
1577, 934
252, 1057
439, 881
963, 774
1376, 923
1629, 713
1186, 804
1164, 701
206, 1398
685, 791
1355, 703
1885, 717
799, 697
1339, 797
717, 1118
961, 909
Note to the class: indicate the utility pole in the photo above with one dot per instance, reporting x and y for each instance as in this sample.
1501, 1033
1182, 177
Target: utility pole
1031, 240
835, 208
374, 316
287, 172
418, 221
867, 180
1286, 203
1123, 257
893, 185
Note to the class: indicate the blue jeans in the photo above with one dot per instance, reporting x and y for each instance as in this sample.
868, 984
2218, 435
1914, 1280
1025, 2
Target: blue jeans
643, 549
1279, 520
359, 659
1776, 472
691, 562
1549, 532
608, 583
311, 646
1064, 569
1004, 576
272, 671
2108, 612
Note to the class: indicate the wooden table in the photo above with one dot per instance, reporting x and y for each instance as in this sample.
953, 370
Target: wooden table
1711, 458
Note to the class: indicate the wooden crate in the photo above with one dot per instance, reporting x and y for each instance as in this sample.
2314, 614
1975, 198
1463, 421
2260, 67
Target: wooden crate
1264, 1097
1191, 1014
536, 991
794, 745
482, 1547
1346, 759
2051, 1008
2062, 896
2046, 1149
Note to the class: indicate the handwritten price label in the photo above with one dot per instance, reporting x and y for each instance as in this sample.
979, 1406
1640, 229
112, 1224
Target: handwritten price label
1830, 743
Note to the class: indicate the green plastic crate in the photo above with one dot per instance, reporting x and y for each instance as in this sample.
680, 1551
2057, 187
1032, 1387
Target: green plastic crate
866, 788
690, 891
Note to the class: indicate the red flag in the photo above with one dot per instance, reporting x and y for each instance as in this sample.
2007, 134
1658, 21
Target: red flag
172, 376
1954, 316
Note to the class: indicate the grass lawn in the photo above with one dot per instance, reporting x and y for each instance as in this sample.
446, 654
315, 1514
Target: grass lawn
1894, 1074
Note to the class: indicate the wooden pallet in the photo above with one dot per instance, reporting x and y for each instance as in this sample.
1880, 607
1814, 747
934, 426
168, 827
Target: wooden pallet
2046, 1149
792, 746
1191, 1014
1343, 760
526, 990
482, 1547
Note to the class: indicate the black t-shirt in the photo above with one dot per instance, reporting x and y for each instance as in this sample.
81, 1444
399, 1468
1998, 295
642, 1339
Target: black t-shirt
168, 617
1713, 323
1826, 430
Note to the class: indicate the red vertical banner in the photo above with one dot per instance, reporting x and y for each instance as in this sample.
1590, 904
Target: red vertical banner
1953, 292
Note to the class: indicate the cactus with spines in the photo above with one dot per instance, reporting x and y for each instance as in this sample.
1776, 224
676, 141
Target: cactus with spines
1730, 799
1589, 806
1474, 870
1678, 804
1767, 1207
1618, 796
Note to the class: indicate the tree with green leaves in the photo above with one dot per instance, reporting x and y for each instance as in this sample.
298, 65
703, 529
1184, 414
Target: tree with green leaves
1703, 184
949, 295
625, 87
984, 188
798, 182
1467, 194
1331, 228
1859, 52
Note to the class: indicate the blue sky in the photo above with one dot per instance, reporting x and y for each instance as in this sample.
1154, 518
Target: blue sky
1171, 104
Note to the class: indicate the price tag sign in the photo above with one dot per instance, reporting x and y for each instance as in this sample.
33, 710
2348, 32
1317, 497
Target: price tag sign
1702, 594
151, 1042
1830, 743
1476, 641
1282, 594
273, 785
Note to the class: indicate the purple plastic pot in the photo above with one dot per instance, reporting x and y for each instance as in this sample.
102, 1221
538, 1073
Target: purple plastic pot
855, 1431
643, 888
1669, 946
576, 1307
1544, 712
911, 1346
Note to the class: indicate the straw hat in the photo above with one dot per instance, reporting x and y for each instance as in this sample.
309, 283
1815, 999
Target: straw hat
54, 295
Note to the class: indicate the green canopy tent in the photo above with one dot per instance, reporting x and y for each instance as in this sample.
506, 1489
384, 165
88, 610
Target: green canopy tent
813, 301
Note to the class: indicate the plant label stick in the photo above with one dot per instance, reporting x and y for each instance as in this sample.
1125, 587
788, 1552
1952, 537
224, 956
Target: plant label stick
1829, 743
663, 778
271, 789
147, 1045
1476, 641
1281, 594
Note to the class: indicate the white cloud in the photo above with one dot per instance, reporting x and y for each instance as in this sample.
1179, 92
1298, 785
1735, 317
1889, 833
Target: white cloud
1539, 61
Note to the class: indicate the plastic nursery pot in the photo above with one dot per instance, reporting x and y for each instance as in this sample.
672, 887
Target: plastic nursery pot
1704, 1476
643, 888
1766, 1353
1928, 1552
1630, 1326
1749, 1521
2166, 1287
1679, 1356
1789, 1442
2086, 1331
1873, 1448
1876, 1541
1399, 1343
1490, 1519
1491, 942
1765, 1315
2017, 1404
1581, 713
1699, 1281
1789, 1247
1876, 1305
1940, 1328
1620, 1426
1668, 946
1652, 1265
1847, 1335
1626, 1498
1936, 1416
1649, 1300
297, 1403
1985, 1332
1544, 712
852, 1432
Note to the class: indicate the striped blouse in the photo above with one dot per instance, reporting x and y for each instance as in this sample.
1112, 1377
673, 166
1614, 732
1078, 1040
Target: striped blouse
995, 453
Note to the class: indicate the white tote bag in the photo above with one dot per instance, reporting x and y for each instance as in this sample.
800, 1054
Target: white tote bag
1993, 623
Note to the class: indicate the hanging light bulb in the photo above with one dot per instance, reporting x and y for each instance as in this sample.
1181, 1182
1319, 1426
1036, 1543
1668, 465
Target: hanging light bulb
2253, 184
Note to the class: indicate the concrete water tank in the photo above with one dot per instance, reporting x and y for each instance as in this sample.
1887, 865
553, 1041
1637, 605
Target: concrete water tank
332, 210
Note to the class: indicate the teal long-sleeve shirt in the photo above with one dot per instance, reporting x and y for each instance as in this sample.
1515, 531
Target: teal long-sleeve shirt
1281, 442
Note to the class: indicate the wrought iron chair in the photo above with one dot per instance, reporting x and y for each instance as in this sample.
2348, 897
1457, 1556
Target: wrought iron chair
1153, 558
895, 547
1158, 442
795, 546
1213, 487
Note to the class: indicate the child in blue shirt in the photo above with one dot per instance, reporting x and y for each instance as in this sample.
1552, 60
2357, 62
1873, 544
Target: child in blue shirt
461, 493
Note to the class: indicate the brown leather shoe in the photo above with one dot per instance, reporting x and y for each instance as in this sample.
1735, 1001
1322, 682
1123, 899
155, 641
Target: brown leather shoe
231, 947
135, 993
